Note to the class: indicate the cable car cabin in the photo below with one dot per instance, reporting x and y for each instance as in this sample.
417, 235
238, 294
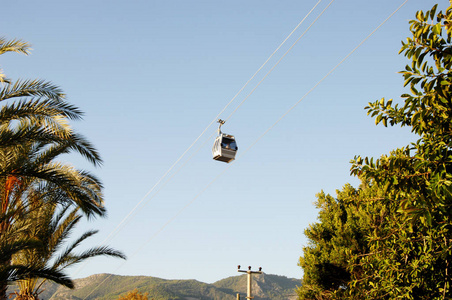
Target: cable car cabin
224, 148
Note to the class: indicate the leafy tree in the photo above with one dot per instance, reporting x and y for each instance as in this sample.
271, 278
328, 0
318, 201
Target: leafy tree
134, 295
408, 232
413, 251
337, 239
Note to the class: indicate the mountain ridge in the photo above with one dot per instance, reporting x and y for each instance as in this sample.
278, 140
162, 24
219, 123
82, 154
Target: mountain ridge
109, 286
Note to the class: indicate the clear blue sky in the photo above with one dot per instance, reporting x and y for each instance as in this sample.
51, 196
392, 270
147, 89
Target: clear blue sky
151, 75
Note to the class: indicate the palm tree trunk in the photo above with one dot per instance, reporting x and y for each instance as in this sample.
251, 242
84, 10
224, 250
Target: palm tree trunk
3, 279
3, 288
4, 264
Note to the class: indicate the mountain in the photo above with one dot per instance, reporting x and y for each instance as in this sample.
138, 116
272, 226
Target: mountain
107, 286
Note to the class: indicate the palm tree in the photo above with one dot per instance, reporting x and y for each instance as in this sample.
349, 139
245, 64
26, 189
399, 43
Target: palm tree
34, 130
52, 225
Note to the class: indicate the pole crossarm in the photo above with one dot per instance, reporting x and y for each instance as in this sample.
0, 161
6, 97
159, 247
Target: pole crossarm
251, 272
250, 280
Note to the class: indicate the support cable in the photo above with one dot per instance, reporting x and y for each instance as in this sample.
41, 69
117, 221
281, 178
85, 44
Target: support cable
277, 63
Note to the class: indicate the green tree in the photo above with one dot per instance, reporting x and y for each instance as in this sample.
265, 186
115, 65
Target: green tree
408, 249
337, 240
413, 251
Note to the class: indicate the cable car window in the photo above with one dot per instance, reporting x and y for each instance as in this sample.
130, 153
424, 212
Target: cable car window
228, 143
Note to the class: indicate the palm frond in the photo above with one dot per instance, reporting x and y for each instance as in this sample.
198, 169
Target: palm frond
19, 272
82, 146
62, 232
70, 259
19, 136
74, 143
14, 45
60, 215
90, 202
31, 88
55, 144
3, 78
67, 252
38, 111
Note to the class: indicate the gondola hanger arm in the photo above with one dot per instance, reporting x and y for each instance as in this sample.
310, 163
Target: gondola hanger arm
221, 122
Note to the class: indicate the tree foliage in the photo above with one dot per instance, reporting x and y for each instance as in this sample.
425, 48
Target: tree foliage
337, 239
134, 295
405, 223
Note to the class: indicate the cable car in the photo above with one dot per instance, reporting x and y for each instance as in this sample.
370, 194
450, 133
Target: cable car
225, 147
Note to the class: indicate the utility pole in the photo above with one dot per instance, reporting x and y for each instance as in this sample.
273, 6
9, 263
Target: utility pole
249, 294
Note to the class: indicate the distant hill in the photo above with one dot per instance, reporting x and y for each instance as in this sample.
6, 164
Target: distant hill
107, 286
